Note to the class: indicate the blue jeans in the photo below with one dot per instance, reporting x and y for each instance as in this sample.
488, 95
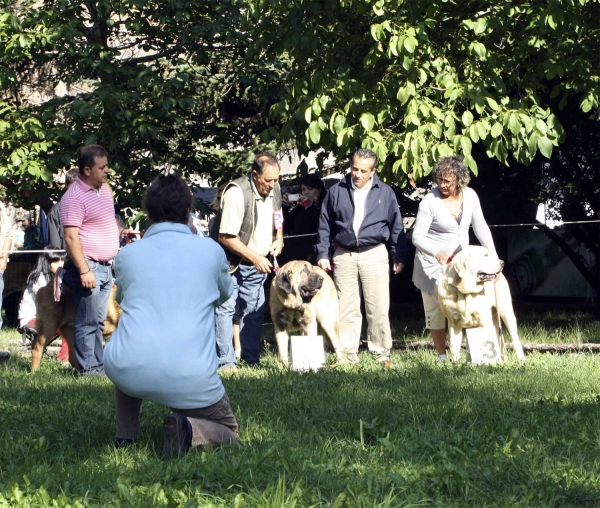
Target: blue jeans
91, 306
249, 295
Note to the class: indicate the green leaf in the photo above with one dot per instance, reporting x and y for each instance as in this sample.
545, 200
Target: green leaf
467, 118
314, 132
496, 130
532, 144
410, 43
339, 123
308, 114
474, 133
540, 125
479, 49
402, 95
513, 123
316, 108
380, 150
367, 120
480, 26
471, 164
340, 137
374, 30
465, 144
586, 104
492, 103
481, 130
393, 45
545, 146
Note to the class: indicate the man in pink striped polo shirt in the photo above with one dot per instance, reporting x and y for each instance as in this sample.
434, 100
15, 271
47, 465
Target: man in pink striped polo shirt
92, 241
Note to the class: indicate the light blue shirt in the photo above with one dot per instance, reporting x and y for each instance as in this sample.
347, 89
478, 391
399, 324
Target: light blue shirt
164, 348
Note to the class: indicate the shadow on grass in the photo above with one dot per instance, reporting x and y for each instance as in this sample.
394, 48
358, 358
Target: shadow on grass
444, 434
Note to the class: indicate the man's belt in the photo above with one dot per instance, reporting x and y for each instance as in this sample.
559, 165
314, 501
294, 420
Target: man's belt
103, 263
69, 262
359, 248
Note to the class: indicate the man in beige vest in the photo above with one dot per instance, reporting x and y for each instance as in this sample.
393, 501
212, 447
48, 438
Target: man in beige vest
250, 230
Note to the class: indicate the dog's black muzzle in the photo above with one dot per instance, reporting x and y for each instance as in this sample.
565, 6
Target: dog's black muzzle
313, 283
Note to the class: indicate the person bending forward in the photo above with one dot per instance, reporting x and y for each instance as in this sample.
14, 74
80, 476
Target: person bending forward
164, 348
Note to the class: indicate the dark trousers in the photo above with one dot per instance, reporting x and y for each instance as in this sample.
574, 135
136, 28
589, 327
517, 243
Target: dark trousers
213, 425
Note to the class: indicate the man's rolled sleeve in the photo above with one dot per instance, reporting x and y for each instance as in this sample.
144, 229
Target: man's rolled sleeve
232, 213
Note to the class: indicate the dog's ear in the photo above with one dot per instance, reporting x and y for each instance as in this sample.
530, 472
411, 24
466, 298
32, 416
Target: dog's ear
461, 266
283, 282
452, 276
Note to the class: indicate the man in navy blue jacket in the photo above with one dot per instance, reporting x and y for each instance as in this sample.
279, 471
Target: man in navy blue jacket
361, 219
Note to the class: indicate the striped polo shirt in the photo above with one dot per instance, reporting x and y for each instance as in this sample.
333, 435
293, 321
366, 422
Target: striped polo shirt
94, 214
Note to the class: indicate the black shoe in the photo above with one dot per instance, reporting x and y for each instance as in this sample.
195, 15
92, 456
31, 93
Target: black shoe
177, 437
123, 443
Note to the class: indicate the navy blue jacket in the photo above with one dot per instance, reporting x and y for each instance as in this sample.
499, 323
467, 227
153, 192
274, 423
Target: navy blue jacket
382, 222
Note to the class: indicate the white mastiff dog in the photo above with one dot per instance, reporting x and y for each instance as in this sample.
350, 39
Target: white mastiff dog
471, 292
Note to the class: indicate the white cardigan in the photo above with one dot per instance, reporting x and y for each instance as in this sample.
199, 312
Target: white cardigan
437, 230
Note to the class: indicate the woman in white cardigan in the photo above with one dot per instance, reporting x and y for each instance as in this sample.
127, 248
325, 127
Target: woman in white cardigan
442, 229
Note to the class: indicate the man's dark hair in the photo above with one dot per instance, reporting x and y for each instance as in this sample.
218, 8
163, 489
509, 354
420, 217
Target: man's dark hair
365, 153
262, 160
168, 199
71, 176
88, 155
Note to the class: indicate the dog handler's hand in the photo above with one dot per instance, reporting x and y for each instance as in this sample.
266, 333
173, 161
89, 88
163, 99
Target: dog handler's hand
324, 264
262, 265
442, 258
398, 267
88, 280
276, 247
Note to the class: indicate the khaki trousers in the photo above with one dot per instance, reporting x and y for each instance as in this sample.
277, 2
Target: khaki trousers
212, 425
367, 273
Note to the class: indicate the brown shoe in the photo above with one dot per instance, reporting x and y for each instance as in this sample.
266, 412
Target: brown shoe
386, 364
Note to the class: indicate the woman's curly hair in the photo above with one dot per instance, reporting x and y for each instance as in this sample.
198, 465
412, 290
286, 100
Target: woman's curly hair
452, 165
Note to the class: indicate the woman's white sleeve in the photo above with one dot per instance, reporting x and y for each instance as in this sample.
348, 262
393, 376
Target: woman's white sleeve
420, 238
480, 227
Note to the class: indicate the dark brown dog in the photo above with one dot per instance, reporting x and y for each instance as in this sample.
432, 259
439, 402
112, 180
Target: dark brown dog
51, 316
303, 298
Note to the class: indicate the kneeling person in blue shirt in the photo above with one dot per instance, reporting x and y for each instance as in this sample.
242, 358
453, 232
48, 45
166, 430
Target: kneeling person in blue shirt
163, 350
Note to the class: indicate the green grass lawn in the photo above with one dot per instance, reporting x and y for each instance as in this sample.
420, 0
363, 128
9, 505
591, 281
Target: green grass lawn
423, 434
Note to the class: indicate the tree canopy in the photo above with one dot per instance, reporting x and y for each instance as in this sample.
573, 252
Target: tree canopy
161, 84
189, 85
415, 80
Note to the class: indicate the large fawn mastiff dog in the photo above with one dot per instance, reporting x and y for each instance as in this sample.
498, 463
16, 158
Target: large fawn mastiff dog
52, 315
303, 298
472, 292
